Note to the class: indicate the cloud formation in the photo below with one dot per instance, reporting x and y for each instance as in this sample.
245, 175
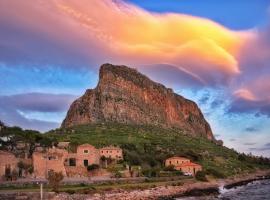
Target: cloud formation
74, 33
14, 107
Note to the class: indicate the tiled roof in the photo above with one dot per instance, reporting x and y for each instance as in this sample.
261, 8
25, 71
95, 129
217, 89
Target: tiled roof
190, 164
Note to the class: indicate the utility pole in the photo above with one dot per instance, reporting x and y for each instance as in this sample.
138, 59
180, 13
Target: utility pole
41, 191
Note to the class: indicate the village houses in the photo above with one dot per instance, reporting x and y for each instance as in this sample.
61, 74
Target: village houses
183, 164
59, 159
75, 164
71, 164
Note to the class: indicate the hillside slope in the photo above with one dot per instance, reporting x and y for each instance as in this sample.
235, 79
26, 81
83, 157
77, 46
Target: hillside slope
149, 146
124, 95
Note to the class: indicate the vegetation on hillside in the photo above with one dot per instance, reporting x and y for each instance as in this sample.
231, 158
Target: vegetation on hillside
149, 146
11, 136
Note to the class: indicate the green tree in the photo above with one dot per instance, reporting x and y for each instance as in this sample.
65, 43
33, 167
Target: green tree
92, 167
201, 176
54, 179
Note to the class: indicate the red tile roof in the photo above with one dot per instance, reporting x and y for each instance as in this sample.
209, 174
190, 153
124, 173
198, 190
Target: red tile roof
190, 164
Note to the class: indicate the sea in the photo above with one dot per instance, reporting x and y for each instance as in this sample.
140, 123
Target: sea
257, 190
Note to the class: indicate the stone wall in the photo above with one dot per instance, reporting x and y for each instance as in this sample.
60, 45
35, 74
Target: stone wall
111, 152
176, 161
87, 152
7, 160
54, 160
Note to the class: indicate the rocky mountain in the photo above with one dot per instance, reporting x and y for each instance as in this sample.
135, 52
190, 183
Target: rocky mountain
124, 95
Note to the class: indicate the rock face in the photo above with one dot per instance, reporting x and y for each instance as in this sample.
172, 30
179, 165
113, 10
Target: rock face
124, 95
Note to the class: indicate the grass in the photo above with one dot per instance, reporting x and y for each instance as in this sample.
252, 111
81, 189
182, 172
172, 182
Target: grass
149, 146
101, 187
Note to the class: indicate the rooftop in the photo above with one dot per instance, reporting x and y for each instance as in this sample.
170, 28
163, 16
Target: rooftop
177, 157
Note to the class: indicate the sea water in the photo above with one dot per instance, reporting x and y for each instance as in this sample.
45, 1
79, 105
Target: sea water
257, 190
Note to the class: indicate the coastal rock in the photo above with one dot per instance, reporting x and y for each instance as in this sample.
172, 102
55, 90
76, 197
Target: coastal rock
124, 95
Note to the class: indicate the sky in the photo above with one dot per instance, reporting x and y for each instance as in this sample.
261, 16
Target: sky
216, 53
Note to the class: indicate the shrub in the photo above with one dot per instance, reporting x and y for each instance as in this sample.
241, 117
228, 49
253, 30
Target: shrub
178, 173
201, 176
92, 167
133, 158
31, 169
14, 174
169, 168
151, 172
117, 174
215, 173
241, 157
54, 179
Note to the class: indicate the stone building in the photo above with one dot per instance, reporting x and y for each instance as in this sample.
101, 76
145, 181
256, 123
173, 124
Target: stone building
52, 159
176, 161
111, 152
8, 163
190, 167
183, 164
71, 164
87, 155
63, 145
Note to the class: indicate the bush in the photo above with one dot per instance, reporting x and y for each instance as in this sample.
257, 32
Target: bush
92, 167
151, 172
117, 174
215, 173
14, 174
54, 179
178, 173
241, 157
201, 176
133, 158
31, 169
169, 168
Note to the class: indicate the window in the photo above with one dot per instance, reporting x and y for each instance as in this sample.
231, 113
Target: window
101, 151
85, 151
177, 161
107, 151
72, 162
170, 162
85, 163
52, 158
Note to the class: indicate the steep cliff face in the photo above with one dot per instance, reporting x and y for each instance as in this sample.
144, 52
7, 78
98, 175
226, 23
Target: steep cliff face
124, 95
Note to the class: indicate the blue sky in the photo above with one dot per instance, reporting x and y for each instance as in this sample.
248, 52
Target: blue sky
216, 53
235, 14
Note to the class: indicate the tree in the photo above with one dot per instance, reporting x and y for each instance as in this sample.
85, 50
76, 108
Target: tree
14, 174
27, 168
54, 179
201, 176
169, 168
92, 167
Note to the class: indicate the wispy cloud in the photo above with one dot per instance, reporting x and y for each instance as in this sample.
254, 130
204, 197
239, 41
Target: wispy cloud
12, 109
251, 129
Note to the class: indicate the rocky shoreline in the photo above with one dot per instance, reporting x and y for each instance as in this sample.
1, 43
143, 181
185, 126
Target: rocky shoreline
172, 192
189, 188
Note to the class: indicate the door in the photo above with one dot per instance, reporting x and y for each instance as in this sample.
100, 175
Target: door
85, 163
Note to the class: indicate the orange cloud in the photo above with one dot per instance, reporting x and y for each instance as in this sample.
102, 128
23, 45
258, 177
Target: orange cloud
143, 37
245, 94
101, 31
